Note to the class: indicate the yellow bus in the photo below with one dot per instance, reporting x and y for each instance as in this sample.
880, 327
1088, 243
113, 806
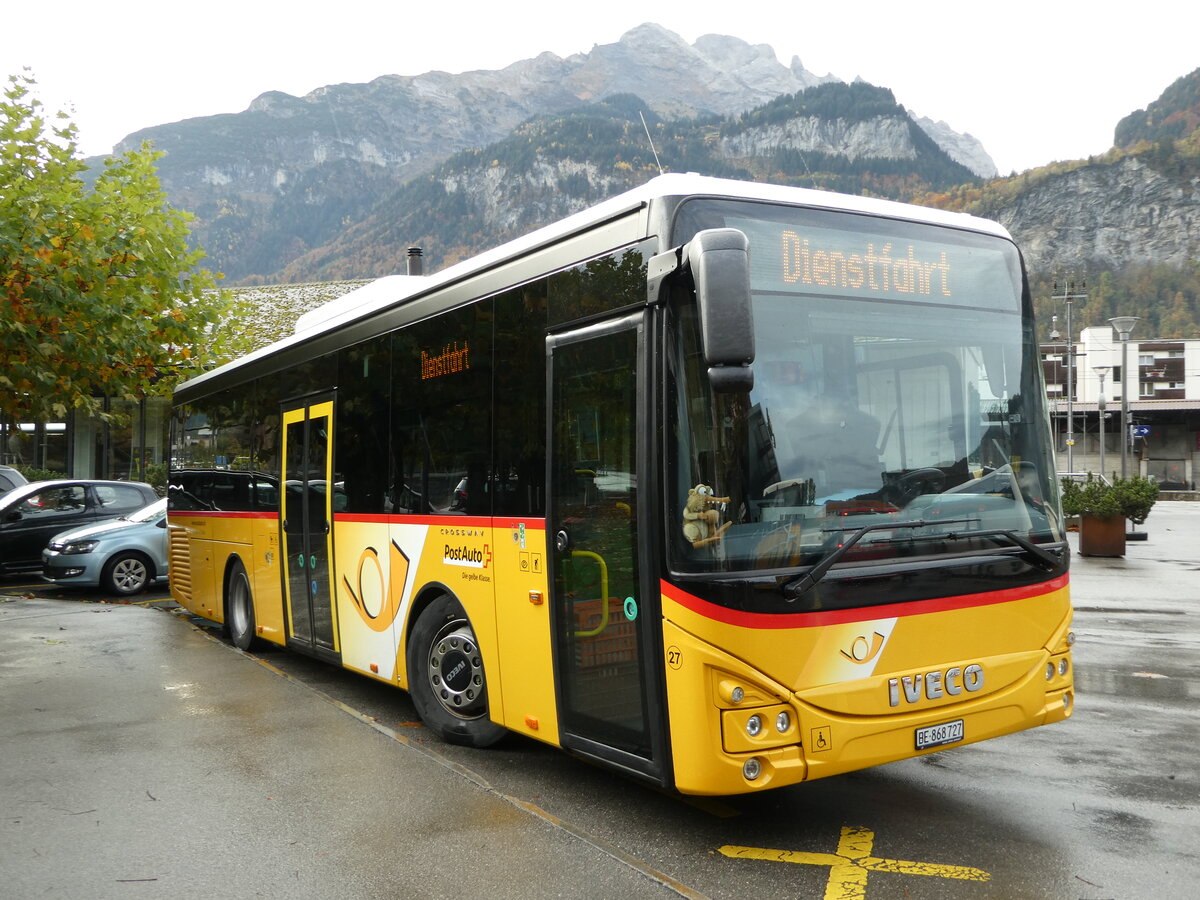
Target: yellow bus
728, 486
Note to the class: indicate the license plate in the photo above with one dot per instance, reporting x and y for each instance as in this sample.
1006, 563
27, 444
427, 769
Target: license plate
940, 735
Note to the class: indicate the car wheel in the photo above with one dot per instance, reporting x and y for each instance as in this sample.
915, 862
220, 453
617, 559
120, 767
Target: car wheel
239, 608
126, 573
446, 678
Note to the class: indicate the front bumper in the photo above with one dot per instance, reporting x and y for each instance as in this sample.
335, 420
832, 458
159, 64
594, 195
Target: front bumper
70, 569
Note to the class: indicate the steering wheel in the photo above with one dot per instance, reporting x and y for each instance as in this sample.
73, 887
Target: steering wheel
910, 485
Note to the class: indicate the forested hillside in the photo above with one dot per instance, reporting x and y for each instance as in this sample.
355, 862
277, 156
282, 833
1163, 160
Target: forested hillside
1174, 116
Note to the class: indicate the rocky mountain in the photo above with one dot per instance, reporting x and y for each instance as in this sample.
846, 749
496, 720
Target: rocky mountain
286, 176
962, 148
1138, 204
836, 136
336, 185
1128, 221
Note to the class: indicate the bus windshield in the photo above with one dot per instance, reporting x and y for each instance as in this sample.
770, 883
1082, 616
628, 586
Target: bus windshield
896, 392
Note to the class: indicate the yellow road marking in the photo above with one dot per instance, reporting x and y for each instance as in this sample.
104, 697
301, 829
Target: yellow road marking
850, 865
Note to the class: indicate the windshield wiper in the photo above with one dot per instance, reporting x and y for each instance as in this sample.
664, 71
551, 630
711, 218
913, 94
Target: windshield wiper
796, 587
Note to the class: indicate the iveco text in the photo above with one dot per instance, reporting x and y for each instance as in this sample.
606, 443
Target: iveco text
936, 684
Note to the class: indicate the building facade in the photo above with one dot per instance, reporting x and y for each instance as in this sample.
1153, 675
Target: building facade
1161, 379
131, 449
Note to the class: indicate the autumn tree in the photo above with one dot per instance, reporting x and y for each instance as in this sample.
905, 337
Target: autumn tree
99, 291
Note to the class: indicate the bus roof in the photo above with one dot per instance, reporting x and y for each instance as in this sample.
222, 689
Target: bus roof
392, 290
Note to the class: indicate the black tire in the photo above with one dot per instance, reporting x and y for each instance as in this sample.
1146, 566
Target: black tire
239, 608
127, 573
454, 708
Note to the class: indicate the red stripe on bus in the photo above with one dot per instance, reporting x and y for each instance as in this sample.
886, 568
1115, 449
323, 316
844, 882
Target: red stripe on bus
378, 518
219, 514
843, 616
451, 521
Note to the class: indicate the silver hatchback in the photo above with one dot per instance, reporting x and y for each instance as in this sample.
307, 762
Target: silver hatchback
123, 555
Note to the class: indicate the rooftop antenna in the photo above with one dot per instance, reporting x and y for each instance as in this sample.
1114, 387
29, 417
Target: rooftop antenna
651, 140
808, 171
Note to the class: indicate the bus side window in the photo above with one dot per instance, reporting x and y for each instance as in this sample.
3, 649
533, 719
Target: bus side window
520, 398
442, 385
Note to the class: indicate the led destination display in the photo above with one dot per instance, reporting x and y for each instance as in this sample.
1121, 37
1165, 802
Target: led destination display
964, 270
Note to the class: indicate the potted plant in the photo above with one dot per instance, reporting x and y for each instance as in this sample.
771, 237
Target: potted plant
1103, 508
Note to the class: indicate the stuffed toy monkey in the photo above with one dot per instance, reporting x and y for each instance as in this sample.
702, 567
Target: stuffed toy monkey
700, 517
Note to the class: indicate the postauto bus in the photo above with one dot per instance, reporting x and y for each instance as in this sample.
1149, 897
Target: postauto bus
725, 485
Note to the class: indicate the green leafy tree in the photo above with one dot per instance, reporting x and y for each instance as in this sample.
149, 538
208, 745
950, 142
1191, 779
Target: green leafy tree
99, 290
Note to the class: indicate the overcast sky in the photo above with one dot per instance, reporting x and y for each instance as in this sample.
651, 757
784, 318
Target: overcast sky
1034, 80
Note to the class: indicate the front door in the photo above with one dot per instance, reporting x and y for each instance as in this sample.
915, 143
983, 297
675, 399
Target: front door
308, 503
604, 597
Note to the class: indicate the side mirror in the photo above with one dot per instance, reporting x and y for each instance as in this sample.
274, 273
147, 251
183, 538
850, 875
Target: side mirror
719, 260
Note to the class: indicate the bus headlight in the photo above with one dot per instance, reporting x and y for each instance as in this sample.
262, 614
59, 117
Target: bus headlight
750, 730
752, 768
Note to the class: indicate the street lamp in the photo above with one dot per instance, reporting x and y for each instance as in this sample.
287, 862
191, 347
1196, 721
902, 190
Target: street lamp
1054, 425
1101, 371
1124, 326
1069, 293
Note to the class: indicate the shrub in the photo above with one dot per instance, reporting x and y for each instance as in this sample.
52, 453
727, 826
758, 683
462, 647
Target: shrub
1131, 498
32, 474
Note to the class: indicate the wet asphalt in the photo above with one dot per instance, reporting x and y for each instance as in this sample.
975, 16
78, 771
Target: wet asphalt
142, 756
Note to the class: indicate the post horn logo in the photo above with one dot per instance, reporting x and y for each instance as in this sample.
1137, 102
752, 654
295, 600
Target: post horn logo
863, 649
393, 591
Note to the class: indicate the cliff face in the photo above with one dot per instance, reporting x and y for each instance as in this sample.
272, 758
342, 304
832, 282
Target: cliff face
882, 138
1107, 216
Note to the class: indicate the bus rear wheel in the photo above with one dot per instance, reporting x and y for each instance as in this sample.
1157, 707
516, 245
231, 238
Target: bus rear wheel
446, 678
239, 608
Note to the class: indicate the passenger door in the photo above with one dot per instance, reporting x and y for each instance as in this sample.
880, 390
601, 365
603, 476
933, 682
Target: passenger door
604, 594
307, 503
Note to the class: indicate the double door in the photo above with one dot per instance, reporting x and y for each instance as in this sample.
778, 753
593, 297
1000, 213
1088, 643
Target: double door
308, 495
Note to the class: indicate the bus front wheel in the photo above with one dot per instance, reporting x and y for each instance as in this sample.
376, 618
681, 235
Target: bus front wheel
239, 608
445, 676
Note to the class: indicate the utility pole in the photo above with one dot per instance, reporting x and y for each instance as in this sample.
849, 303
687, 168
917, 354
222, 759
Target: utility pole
1070, 292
